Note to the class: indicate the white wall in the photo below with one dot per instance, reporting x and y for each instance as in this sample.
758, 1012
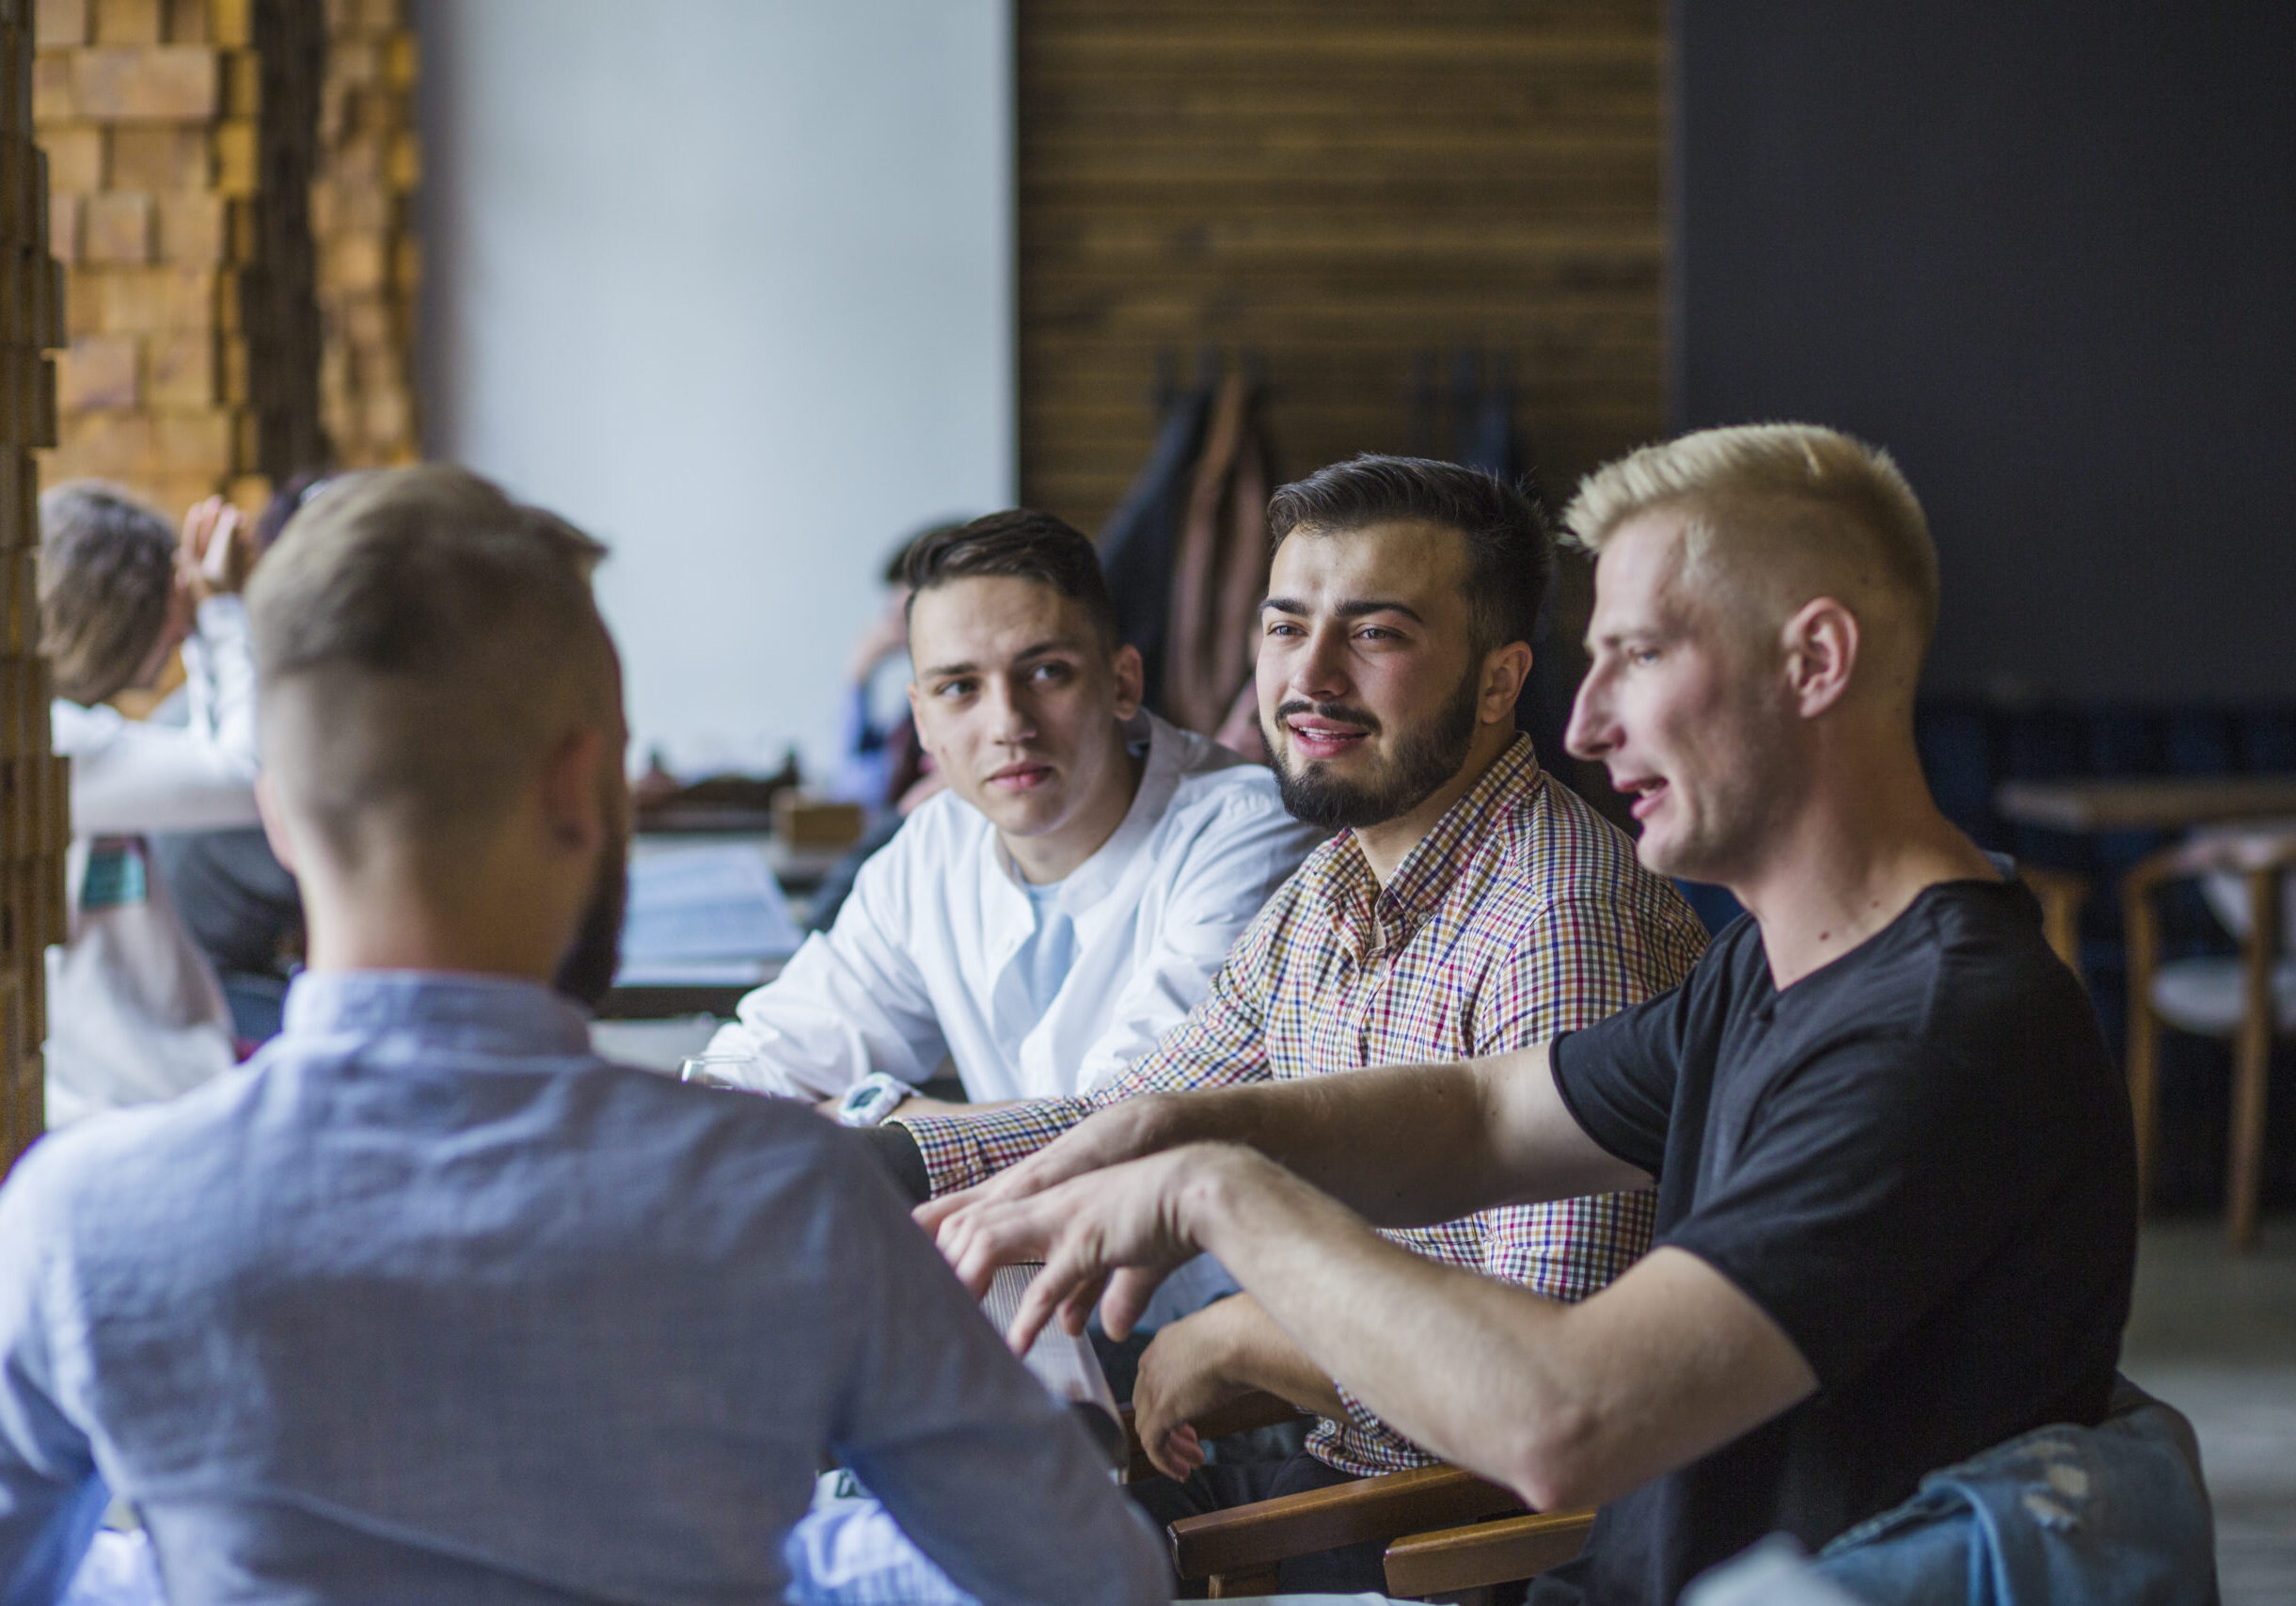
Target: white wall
728, 283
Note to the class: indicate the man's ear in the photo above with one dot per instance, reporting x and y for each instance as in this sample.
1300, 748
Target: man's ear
1505, 671
1821, 643
568, 790
274, 822
1131, 680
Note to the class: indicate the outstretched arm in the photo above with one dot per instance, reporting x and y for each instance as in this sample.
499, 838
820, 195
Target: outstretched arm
1568, 1405
1405, 1146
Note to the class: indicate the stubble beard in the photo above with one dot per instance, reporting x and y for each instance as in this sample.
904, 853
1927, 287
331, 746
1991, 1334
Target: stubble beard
586, 974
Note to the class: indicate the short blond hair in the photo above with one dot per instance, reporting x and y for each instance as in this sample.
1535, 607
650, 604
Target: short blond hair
1793, 500
421, 639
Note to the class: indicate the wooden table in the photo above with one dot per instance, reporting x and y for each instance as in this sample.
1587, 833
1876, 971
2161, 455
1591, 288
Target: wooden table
2160, 802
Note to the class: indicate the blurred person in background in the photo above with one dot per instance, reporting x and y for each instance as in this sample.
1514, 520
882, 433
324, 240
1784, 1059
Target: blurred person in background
235, 898
136, 1012
880, 764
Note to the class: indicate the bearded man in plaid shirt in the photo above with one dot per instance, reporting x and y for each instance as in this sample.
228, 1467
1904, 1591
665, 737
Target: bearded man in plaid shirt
1470, 904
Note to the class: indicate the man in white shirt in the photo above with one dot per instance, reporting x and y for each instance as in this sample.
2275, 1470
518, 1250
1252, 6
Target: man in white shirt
1068, 897
135, 1011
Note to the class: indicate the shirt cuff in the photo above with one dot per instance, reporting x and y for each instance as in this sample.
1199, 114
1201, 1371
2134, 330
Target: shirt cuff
223, 615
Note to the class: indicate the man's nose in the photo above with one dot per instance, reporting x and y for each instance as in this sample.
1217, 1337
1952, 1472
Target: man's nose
1319, 672
1009, 718
1590, 734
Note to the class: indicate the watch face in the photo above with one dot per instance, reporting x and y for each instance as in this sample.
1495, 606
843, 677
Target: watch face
867, 1103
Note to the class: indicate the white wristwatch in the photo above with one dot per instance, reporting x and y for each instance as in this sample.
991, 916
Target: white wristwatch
869, 1101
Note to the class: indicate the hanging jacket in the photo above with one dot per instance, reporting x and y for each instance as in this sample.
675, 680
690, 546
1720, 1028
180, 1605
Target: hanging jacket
1137, 543
1221, 569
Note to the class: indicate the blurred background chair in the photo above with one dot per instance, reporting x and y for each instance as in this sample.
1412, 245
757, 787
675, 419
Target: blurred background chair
2248, 998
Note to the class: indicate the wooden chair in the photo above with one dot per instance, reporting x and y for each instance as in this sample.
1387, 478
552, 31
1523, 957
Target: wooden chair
2250, 999
2061, 894
1467, 1564
1238, 1551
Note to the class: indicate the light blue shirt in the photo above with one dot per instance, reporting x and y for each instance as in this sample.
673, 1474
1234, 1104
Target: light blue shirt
429, 1303
1038, 972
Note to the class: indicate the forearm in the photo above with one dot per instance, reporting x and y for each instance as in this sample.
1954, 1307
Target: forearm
1262, 1356
1316, 1268
1403, 1146
1568, 1404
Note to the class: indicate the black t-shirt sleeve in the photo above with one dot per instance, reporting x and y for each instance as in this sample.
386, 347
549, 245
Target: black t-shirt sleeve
1874, 1178
1617, 1077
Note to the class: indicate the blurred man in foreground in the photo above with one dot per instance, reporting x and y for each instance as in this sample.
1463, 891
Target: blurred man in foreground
1897, 1217
429, 1303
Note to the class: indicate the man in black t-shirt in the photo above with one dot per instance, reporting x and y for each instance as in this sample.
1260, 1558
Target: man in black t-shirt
1897, 1219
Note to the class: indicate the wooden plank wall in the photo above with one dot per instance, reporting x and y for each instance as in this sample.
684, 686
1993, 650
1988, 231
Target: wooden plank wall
1336, 185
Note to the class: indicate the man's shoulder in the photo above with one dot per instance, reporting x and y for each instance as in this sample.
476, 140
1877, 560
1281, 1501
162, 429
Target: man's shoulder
1203, 769
1554, 847
76, 1171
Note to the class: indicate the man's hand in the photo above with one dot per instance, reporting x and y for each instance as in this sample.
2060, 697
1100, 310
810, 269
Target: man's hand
1119, 1232
1204, 1360
1122, 1132
1187, 1370
216, 552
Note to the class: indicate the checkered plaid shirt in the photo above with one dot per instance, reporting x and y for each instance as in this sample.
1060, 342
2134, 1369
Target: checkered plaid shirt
1522, 915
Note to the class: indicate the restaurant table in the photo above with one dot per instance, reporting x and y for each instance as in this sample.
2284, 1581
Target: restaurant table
657, 986
2158, 803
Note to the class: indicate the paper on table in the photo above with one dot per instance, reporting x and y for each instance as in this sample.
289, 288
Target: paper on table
706, 903
1062, 1363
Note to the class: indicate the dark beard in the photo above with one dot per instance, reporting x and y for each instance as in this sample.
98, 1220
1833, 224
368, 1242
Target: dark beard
1423, 762
586, 974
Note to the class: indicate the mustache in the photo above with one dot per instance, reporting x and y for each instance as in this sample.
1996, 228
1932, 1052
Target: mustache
1338, 713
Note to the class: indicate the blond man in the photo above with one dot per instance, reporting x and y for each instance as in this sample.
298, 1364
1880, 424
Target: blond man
1895, 1180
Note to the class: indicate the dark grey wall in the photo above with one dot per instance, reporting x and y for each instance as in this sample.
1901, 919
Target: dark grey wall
2046, 253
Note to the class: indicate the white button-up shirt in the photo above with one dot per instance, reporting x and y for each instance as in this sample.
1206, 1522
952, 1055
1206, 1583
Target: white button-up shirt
134, 1011
910, 972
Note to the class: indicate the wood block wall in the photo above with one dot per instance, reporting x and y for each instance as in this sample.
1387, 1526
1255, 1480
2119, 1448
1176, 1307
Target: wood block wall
34, 817
1337, 184
180, 137
369, 268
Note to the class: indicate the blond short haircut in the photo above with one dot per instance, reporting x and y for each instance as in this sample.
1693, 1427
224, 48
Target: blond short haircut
1780, 510
422, 641
106, 577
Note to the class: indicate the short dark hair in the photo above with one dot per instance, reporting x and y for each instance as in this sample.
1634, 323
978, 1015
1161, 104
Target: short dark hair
1020, 543
1510, 549
106, 576
897, 561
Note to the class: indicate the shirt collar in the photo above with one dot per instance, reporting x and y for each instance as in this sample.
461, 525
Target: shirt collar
1428, 872
499, 1013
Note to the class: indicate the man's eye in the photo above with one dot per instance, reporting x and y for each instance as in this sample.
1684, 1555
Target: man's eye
1643, 656
1378, 633
954, 688
1282, 628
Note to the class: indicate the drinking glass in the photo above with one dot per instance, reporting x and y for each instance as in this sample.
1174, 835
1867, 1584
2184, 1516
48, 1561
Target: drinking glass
721, 1071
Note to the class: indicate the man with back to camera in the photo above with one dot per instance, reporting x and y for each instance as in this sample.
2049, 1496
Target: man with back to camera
1470, 904
427, 1302
1043, 925
1896, 1207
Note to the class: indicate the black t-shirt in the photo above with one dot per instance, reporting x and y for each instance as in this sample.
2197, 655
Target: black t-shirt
1918, 1160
